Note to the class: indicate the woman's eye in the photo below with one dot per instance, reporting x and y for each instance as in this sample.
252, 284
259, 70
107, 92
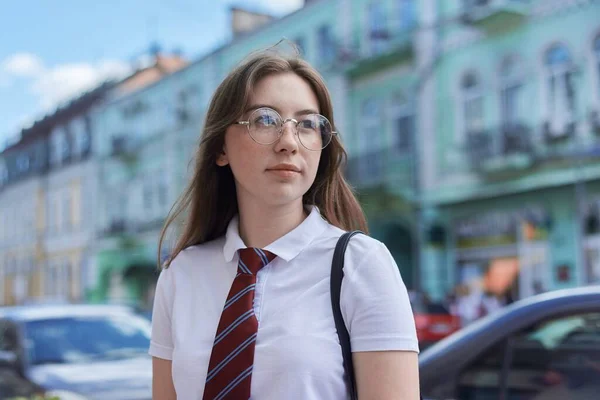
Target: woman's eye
308, 124
266, 120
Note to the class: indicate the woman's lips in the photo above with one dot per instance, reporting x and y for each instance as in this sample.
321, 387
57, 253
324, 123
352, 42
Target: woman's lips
284, 173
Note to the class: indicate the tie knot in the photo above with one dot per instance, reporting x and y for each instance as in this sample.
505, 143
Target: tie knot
253, 259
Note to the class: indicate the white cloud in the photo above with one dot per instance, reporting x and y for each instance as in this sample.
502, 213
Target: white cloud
55, 85
281, 6
22, 65
59, 84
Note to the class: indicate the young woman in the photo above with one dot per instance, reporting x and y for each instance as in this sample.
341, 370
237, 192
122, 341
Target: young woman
243, 309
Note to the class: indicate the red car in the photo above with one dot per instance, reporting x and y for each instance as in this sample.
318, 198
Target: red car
433, 320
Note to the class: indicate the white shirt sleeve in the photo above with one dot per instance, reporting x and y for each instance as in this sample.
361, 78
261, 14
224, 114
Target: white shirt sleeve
161, 342
374, 301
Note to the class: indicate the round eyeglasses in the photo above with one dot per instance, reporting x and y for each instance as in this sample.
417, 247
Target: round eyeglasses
265, 126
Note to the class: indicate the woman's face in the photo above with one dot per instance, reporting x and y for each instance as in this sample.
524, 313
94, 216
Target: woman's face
282, 172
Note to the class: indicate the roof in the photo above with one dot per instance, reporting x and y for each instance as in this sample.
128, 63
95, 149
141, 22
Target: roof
41, 312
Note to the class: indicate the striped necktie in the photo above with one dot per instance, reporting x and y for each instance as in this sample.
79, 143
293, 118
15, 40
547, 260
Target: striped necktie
232, 357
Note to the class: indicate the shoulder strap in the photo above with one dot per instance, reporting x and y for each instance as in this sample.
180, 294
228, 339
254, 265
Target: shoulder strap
337, 273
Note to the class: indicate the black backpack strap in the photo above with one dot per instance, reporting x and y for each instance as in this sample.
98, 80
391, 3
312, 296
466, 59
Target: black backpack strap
337, 273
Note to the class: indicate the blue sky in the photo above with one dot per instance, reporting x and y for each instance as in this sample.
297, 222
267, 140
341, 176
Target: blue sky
51, 50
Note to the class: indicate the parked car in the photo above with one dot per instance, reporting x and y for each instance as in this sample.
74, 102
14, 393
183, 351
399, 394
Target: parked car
80, 351
546, 347
433, 320
14, 385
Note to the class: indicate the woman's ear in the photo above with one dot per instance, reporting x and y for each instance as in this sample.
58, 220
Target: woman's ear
222, 159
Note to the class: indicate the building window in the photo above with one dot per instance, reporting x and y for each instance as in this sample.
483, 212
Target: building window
60, 148
408, 14
557, 352
66, 211
403, 123
147, 193
377, 31
511, 85
163, 191
23, 163
3, 173
597, 61
326, 45
370, 146
134, 109
561, 89
81, 140
369, 137
472, 103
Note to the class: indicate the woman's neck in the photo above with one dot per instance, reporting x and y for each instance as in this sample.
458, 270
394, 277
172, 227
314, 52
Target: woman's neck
261, 226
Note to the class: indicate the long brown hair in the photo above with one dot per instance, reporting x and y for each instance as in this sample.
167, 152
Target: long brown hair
209, 201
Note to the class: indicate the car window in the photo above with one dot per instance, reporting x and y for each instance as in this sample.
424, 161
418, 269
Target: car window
83, 339
437, 308
481, 379
557, 359
421, 304
8, 335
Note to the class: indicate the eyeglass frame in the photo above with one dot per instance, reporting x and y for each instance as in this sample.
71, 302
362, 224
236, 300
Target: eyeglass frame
283, 122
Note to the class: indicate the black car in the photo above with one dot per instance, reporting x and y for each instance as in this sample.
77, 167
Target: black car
546, 347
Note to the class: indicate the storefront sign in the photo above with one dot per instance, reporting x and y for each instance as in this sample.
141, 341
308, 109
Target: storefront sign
502, 228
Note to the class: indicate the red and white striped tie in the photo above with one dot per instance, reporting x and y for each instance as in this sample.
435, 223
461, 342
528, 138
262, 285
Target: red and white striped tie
230, 367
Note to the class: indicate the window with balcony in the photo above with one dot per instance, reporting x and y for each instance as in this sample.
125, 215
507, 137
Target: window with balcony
408, 14
23, 163
326, 44
66, 205
378, 34
54, 212
81, 139
403, 123
560, 91
474, 138
597, 64
59, 146
370, 141
510, 91
163, 191
3, 172
147, 194
369, 137
472, 94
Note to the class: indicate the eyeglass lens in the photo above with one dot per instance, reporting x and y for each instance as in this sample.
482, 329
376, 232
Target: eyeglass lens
314, 130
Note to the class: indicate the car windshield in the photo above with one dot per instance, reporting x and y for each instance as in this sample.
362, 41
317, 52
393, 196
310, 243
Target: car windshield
89, 338
422, 305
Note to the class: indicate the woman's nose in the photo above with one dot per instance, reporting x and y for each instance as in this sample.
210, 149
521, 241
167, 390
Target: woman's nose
288, 140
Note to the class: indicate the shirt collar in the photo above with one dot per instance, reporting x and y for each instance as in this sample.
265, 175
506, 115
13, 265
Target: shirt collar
286, 247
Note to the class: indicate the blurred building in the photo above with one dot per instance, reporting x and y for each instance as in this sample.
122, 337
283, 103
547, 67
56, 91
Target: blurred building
49, 197
510, 172
145, 141
472, 129
452, 114
47, 203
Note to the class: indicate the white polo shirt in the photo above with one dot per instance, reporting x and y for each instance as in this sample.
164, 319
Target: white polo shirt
297, 354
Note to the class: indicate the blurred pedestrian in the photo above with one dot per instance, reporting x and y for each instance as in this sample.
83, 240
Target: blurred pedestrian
242, 308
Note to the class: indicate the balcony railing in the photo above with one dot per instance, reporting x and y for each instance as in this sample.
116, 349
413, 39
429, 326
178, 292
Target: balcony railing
380, 167
394, 46
116, 226
495, 14
507, 148
594, 119
124, 147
